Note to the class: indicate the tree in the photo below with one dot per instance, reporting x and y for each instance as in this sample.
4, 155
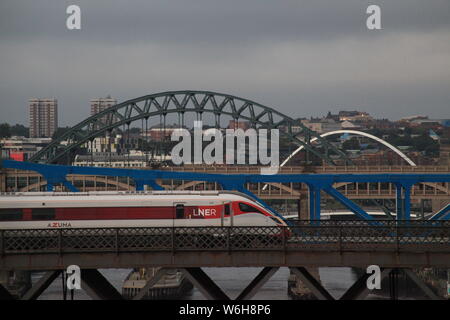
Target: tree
351, 144
20, 130
5, 130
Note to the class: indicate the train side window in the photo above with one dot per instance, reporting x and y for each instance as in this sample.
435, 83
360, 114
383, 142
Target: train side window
227, 209
247, 208
11, 214
179, 211
43, 213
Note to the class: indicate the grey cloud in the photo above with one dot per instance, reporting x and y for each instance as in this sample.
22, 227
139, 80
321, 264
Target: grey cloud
206, 21
302, 57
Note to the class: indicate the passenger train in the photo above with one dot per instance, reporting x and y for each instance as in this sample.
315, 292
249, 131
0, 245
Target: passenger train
50, 210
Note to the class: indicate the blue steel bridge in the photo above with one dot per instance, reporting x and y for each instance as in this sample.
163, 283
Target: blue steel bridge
392, 244
161, 108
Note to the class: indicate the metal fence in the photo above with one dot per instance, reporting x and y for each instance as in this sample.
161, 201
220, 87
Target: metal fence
329, 236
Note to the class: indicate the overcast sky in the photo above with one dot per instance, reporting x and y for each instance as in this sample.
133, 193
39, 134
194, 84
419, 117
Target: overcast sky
303, 58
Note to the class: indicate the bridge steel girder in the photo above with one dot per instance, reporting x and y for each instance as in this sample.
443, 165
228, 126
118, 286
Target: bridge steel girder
97, 286
150, 283
443, 214
248, 258
204, 284
358, 290
92, 281
425, 289
211, 291
316, 182
181, 102
312, 283
4, 293
44, 282
348, 203
257, 283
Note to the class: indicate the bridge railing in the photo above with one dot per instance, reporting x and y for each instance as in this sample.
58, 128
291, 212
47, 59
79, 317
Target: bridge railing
409, 237
379, 222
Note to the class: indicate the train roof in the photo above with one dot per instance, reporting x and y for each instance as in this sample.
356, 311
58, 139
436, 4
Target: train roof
118, 193
22, 198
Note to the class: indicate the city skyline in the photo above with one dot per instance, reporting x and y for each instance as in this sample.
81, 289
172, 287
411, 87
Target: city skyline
304, 59
97, 105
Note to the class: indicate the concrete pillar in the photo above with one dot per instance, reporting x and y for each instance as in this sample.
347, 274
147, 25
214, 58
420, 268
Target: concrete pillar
303, 206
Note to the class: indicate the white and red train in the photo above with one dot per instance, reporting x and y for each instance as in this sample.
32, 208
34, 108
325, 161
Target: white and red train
44, 210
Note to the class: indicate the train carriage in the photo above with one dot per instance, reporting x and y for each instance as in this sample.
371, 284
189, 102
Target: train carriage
41, 210
135, 212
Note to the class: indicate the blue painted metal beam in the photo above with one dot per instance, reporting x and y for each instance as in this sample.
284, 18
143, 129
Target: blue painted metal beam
407, 202
55, 174
348, 203
312, 207
443, 214
70, 186
399, 201
227, 179
317, 201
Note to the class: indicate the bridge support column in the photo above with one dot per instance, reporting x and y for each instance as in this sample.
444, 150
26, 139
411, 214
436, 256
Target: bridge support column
314, 203
204, 283
311, 204
302, 207
97, 286
393, 284
407, 203
399, 202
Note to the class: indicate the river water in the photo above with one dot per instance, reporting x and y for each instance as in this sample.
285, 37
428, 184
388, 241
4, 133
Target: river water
231, 280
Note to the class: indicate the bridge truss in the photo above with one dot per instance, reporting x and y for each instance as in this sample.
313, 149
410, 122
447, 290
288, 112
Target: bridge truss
400, 244
180, 103
317, 183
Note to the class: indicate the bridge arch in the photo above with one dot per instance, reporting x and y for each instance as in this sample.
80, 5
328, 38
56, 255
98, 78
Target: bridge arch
360, 133
355, 132
182, 102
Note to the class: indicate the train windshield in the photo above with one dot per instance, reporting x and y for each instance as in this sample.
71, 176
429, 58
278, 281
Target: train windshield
247, 208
